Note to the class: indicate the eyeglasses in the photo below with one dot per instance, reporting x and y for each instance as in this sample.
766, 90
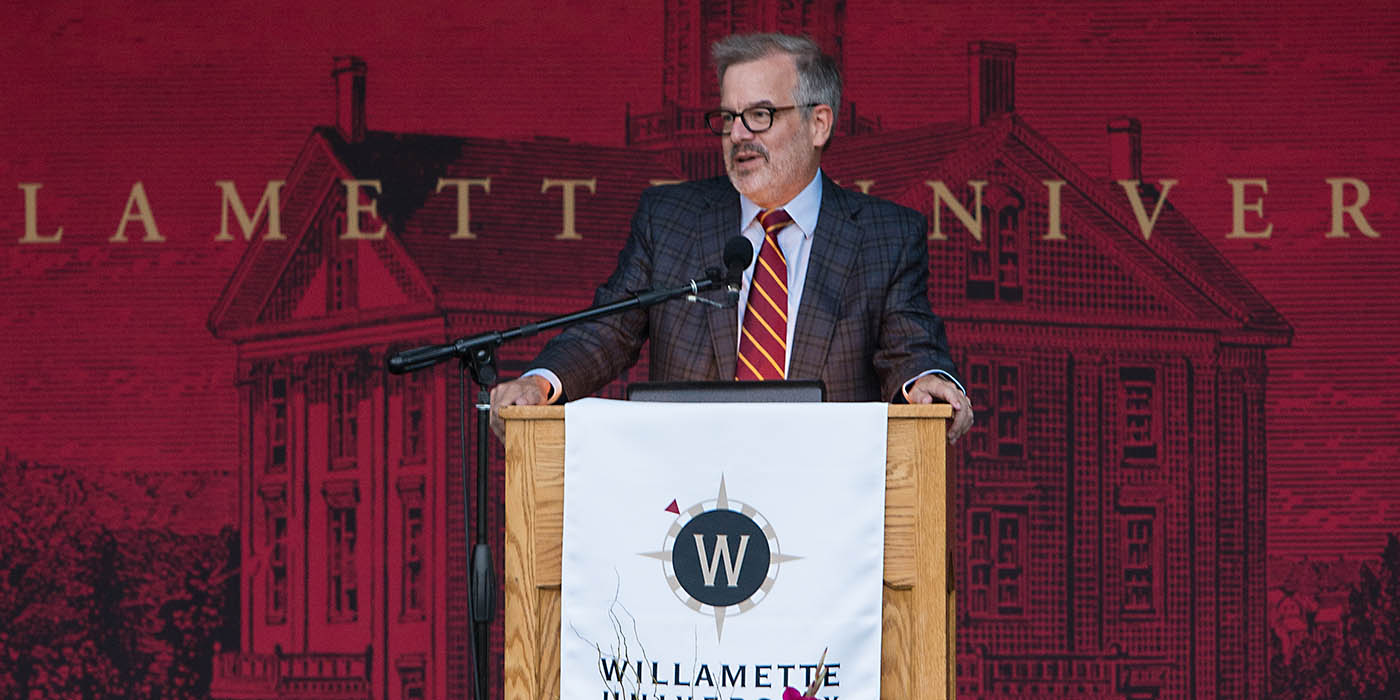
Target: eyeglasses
756, 119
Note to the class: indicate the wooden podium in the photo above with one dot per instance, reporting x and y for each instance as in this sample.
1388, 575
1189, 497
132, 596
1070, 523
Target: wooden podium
917, 641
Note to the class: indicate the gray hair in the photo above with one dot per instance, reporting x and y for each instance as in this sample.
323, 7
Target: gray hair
818, 78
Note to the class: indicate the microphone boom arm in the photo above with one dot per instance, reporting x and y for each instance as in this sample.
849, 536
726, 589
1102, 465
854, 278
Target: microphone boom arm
480, 349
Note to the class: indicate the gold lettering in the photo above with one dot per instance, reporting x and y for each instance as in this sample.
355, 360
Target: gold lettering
354, 208
658, 183
143, 214
941, 194
864, 185
31, 216
270, 202
1237, 186
1363, 195
464, 205
1145, 224
1052, 204
569, 233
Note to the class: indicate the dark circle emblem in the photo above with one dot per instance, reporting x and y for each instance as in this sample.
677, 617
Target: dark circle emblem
721, 557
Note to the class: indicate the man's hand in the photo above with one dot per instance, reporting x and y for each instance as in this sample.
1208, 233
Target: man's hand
932, 388
525, 391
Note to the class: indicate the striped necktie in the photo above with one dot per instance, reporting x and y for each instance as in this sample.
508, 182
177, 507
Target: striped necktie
763, 340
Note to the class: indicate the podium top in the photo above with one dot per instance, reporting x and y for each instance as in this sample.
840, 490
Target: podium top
935, 410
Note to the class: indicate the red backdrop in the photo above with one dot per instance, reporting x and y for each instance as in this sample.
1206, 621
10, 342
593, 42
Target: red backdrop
109, 369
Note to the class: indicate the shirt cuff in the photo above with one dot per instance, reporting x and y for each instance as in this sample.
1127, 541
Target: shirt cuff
940, 373
555, 386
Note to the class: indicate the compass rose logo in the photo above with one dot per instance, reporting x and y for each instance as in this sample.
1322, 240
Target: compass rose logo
720, 557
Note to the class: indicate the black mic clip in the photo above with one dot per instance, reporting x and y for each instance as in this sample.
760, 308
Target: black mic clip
714, 276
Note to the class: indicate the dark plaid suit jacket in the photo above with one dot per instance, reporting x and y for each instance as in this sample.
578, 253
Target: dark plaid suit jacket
864, 326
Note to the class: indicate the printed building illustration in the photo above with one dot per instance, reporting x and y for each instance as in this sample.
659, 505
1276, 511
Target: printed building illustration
351, 500
1111, 495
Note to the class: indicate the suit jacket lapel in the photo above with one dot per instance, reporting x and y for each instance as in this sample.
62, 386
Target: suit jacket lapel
718, 223
835, 247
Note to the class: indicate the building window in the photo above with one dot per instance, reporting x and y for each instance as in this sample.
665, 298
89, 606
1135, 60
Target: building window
277, 425
1008, 242
979, 388
996, 561
980, 281
1141, 429
340, 272
413, 585
1139, 558
413, 686
343, 595
994, 263
412, 678
344, 418
277, 578
413, 588
415, 416
274, 497
998, 399
1010, 435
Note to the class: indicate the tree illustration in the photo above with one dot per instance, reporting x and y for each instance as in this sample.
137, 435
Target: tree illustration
91, 611
1364, 663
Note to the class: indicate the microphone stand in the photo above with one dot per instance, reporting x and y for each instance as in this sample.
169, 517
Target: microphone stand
478, 355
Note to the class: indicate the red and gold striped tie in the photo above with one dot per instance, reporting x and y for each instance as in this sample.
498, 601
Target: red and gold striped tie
763, 340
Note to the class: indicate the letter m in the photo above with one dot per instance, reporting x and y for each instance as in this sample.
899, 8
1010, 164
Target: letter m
709, 564
268, 203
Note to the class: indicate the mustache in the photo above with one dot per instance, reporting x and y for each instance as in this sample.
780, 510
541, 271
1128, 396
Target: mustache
747, 148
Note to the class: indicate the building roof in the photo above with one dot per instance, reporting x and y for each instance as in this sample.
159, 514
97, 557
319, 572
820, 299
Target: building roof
1178, 264
516, 254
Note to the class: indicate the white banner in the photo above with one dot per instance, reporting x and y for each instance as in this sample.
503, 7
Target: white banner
715, 550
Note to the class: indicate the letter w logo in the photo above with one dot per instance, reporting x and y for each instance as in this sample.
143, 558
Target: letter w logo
709, 564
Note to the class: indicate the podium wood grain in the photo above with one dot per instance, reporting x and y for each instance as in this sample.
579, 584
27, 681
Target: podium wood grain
916, 652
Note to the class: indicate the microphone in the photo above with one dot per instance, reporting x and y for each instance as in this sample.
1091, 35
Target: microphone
738, 253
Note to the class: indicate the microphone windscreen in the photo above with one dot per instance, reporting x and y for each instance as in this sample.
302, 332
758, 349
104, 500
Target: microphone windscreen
738, 253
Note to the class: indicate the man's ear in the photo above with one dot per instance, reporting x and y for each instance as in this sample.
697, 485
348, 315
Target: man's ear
821, 124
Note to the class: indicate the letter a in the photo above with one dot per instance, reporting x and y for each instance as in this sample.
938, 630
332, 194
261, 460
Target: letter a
143, 214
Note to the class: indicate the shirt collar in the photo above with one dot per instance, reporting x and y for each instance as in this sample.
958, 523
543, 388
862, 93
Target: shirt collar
803, 208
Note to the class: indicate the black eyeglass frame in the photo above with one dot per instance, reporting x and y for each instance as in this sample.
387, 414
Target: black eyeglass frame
772, 113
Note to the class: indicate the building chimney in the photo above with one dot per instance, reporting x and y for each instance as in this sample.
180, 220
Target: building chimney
349, 75
1125, 149
991, 80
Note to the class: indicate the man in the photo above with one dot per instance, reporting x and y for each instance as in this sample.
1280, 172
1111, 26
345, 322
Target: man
838, 290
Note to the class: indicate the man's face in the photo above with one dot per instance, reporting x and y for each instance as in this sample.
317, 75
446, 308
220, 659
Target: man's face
772, 166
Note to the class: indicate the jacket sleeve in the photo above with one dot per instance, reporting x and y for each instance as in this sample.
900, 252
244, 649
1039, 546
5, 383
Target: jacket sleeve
587, 356
912, 339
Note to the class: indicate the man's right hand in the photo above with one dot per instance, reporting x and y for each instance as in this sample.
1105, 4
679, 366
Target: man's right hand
525, 391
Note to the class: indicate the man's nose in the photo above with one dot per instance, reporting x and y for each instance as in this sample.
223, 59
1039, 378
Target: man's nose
739, 132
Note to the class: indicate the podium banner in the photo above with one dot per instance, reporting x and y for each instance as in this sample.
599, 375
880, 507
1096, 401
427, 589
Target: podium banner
715, 550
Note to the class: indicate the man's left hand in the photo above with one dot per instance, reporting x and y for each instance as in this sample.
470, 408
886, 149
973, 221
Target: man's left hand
932, 388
